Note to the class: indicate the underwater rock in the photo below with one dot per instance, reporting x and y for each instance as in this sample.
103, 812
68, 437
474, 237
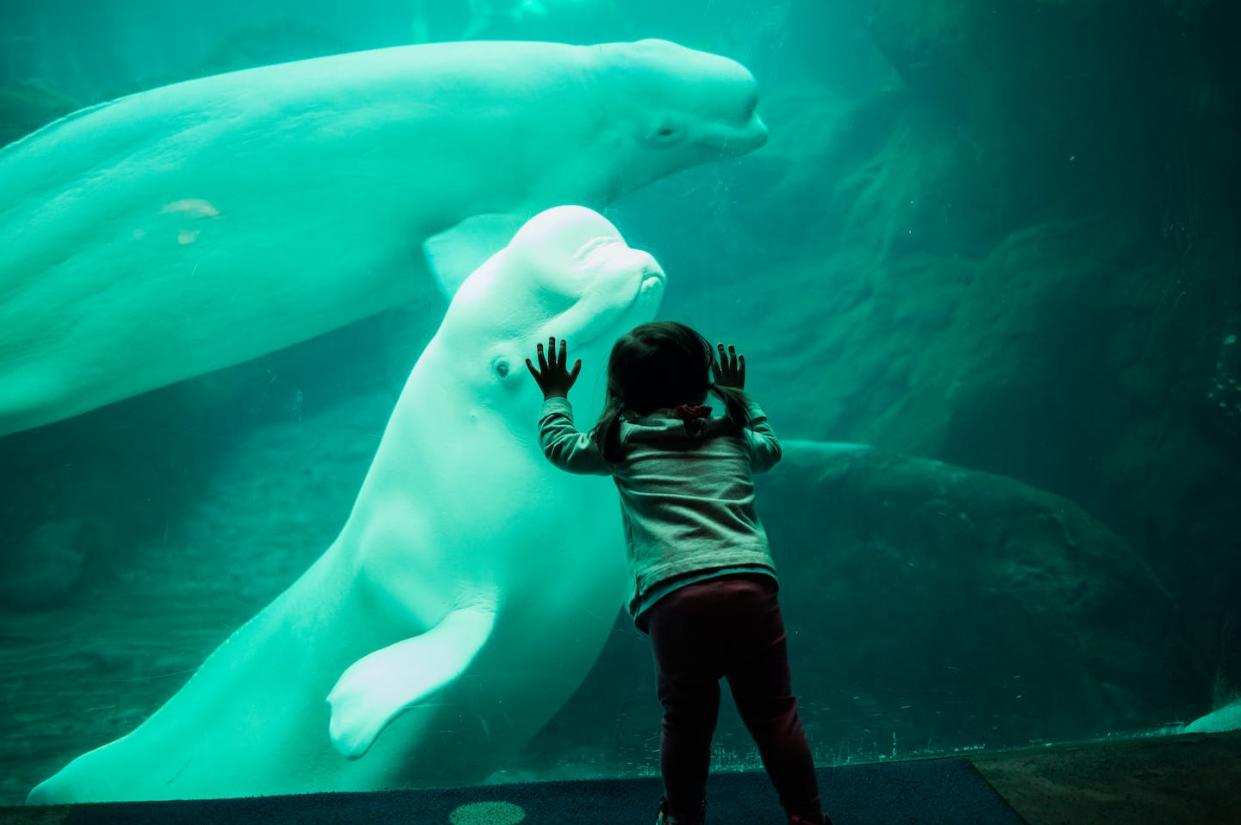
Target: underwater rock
42, 570
1026, 333
436, 586
923, 583
381, 172
1025, 77
1223, 397
1072, 359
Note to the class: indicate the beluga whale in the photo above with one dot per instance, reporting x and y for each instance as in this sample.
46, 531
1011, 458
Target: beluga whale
470, 591
194, 226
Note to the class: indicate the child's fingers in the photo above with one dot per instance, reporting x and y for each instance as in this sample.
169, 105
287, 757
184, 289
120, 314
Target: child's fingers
538, 378
542, 360
564, 352
741, 369
577, 367
551, 351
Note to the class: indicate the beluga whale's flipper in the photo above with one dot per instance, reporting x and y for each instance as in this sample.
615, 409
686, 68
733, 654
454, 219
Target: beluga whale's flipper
379, 686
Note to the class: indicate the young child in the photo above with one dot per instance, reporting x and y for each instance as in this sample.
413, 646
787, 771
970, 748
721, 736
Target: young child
704, 585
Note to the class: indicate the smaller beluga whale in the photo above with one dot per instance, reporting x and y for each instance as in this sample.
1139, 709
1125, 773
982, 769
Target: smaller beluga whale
194, 226
470, 591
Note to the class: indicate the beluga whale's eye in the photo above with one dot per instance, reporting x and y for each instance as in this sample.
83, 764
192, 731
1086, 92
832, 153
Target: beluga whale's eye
501, 367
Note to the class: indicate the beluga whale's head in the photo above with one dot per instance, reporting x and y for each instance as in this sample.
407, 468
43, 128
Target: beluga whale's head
676, 107
567, 273
631, 113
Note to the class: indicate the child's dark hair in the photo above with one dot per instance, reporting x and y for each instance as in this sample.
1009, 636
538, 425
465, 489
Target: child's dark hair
660, 365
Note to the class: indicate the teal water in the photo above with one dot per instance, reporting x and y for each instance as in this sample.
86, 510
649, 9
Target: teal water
998, 242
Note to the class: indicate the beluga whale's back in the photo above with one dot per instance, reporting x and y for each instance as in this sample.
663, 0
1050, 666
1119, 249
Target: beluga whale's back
194, 226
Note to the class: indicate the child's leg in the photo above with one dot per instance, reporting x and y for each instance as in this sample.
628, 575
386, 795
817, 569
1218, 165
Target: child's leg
687, 659
759, 676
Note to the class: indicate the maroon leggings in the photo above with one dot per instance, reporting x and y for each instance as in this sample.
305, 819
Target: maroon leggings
728, 627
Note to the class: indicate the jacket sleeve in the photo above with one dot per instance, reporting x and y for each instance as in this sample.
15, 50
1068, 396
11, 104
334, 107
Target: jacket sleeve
760, 441
563, 445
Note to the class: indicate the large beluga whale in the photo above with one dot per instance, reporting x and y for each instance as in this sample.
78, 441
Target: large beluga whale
470, 591
198, 225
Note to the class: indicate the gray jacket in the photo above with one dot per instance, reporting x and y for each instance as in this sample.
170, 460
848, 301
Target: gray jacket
687, 501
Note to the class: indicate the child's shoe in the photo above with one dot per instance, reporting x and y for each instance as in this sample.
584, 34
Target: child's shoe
664, 818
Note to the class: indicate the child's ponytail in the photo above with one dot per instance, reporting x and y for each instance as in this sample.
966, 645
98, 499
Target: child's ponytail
736, 404
606, 432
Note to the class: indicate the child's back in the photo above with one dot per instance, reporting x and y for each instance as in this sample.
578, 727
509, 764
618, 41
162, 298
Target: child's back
704, 584
687, 497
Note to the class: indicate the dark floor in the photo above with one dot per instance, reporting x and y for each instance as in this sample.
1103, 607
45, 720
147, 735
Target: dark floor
1176, 779
930, 792
1185, 779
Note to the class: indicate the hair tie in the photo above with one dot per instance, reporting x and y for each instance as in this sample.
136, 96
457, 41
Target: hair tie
686, 412
694, 416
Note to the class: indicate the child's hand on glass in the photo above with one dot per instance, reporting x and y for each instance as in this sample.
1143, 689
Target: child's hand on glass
729, 370
551, 376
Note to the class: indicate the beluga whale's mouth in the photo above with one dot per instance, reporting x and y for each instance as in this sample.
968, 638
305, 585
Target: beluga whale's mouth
652, 275
652, 281
748, 131
594, 245
742, 134
650, 289
625, 282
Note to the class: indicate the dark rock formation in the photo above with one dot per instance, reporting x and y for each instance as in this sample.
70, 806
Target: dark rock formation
42, 569
996, 610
